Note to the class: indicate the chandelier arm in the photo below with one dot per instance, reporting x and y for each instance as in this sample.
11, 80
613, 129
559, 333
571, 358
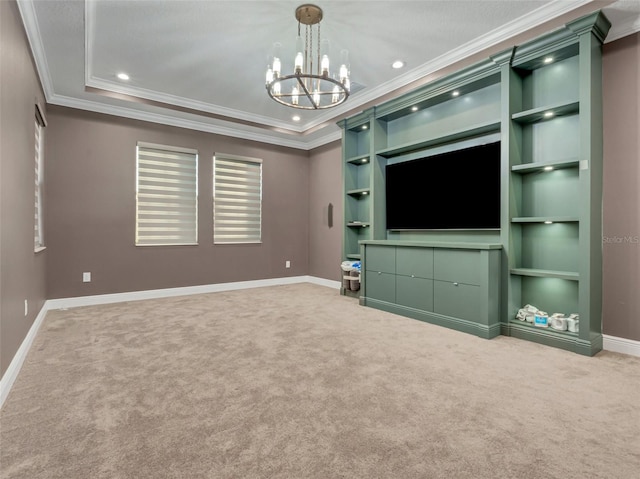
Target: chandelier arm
306, 92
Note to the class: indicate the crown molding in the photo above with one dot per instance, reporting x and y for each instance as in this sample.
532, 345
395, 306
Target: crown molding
29, 19
629, 27
170, 120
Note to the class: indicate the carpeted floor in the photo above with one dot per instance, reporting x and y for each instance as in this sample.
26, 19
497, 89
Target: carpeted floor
299, 382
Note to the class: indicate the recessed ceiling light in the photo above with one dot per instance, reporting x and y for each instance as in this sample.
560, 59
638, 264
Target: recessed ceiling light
414, 108
548, 60
455, 93
295, 118
397, 64
122, 76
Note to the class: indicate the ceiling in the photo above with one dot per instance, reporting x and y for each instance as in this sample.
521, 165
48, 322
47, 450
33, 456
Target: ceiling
201, 64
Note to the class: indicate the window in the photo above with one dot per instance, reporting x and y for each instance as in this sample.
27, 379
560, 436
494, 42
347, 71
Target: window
38, 237
166, 195
237, 199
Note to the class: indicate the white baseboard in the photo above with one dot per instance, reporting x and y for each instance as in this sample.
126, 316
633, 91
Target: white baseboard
610, 343
324, 282
165, 293
12, 371
620, 345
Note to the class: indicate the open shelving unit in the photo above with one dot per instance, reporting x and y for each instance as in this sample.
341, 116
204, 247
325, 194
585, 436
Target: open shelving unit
543, 101
552, 114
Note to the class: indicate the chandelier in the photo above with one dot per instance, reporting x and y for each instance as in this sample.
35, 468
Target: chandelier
311, 85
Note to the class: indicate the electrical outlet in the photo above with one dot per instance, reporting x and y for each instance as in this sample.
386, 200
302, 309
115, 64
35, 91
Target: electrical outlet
287, 264
26, 307
86, 277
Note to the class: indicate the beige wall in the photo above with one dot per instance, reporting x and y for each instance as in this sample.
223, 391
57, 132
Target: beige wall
91, 210
325, 243
22, 272
621, 224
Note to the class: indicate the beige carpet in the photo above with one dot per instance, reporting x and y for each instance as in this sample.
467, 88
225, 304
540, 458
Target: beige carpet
298, 382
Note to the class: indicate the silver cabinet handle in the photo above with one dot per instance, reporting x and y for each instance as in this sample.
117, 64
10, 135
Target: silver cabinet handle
379, 272
413, 276
455, 284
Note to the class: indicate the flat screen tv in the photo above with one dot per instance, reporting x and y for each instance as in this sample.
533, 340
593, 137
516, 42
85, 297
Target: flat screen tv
450, 191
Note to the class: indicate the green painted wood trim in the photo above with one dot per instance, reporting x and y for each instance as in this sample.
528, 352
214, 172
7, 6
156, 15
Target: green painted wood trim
546, 273
555, 339
354, 122
538, 114
543, 219
358, 192
472, 78
358, 224
434, 244
357, 160
596, 23
536, 167
481, 330
466, 133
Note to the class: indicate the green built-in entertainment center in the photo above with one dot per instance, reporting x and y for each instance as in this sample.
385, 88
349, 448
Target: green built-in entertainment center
542, 101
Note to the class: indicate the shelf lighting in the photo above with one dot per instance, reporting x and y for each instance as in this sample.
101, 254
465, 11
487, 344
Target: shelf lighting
455, 93
548, 60
548, 168
414, 108
364, 127
548, 114
123, 76
364, 160
548, 222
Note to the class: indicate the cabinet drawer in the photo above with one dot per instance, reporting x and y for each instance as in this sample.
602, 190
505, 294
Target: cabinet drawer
457, 300
414, 261
380, 286
458, 266
380, 258
414, 292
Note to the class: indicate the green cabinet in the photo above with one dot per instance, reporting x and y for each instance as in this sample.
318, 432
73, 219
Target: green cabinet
543, 101
448, 284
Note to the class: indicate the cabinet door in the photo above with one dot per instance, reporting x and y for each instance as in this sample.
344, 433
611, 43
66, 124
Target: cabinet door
457, 266
380, 286
457, 300
414, 261
380, 258
414, 292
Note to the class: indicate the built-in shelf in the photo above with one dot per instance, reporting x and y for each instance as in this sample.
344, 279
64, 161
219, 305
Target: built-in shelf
357, 224
358, 160
542, 113
545, 219
537, 167
546, 273
358, 192
353, 256
458, 135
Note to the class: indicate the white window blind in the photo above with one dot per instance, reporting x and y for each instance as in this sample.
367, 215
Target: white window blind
237, 199
166, 195
38, 236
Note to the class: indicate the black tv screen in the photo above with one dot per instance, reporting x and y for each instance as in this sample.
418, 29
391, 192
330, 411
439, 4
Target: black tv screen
454, 190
